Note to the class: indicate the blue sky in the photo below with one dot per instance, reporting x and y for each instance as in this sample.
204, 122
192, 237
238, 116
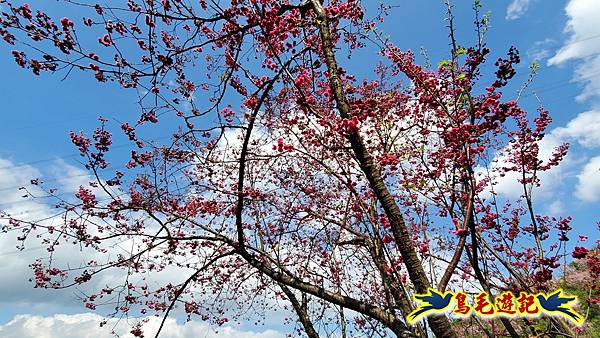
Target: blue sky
38, 113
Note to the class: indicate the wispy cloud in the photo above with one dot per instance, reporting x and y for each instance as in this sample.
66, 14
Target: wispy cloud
583, 45
517, 8
540, 50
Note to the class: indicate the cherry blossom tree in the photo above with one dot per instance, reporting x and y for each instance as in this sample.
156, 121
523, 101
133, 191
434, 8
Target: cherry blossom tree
288, 180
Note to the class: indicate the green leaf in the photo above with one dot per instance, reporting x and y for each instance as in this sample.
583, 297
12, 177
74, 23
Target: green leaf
534, 67
444, 63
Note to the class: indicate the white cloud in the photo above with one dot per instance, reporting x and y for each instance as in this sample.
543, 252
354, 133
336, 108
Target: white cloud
540, 50
556, 208
584, 129
509, 185
583, 44
588, 186
87, 326
517, 8
15, 271
13, 176
583, 27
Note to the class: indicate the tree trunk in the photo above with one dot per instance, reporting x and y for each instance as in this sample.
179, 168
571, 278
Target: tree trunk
440, 325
